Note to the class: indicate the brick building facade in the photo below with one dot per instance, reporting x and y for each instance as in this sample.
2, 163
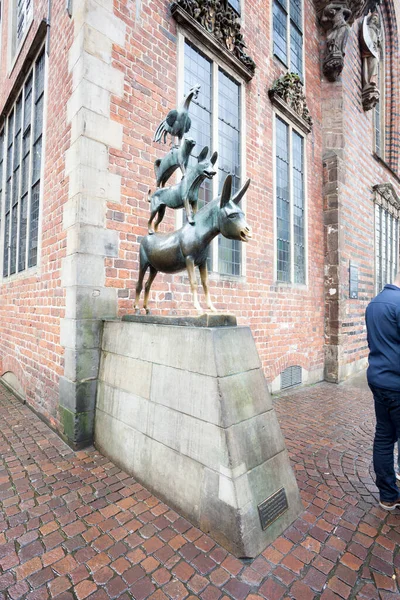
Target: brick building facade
84, 86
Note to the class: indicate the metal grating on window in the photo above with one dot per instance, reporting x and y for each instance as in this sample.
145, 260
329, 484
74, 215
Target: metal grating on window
290, 377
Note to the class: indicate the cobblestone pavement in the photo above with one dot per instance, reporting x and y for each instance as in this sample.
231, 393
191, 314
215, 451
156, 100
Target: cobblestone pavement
74, 526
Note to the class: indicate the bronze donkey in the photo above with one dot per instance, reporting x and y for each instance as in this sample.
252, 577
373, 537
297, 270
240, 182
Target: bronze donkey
188, 247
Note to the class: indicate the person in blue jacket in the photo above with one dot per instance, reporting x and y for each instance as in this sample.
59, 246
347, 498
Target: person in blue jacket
383, 332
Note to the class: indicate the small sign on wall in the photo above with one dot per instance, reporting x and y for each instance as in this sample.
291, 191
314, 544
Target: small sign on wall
353, 281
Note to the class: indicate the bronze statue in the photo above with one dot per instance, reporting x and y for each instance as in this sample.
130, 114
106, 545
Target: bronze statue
177, 121
371, 45
176, 157
188, 247
185, 193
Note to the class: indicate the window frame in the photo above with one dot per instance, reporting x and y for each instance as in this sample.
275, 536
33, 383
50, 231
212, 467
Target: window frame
15, 46
394, 213
28, 271
217, 64
288, 42
292, 127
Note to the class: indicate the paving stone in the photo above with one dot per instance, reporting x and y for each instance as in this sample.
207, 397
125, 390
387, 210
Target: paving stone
74, 526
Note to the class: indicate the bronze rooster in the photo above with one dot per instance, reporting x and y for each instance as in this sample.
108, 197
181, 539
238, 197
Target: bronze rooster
177, 121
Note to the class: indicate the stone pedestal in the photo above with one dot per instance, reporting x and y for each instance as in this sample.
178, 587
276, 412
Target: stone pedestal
186, 411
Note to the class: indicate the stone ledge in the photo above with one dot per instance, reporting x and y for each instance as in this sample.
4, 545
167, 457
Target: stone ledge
206, 320
286, 110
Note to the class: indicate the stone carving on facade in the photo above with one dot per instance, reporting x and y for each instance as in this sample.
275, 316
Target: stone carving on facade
385, 195
222, 22
371, 48
335, 20
336, 17
288, 90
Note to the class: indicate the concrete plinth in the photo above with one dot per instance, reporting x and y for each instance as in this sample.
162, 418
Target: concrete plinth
186, 411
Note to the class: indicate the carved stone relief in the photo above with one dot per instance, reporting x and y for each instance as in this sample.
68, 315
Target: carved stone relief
221, 21
287, 94
335, 20
385, 195
336, 17
371, 47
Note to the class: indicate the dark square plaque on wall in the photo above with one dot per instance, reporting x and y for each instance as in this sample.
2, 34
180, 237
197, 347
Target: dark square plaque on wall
353, 281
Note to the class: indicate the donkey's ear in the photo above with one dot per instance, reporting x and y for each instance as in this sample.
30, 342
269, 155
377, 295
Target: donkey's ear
226, 191
214, 157
237, 197
203, 154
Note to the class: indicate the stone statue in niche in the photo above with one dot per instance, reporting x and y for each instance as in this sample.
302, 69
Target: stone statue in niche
335, 20
371, 47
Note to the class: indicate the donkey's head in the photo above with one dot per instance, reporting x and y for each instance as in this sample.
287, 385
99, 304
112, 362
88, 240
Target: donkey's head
231, 219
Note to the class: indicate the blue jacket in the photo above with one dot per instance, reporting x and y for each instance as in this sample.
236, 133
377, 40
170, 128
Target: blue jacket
383, 331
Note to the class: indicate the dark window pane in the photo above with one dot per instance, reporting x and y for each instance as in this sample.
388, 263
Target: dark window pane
282, 201
298, 209
229, 251
296, 50
25, 173
28, 102
6, 240
18, 115
15, 187
37, 160
13, 248
39, 76
10, 144
378, 266
280, 32
295, 13
38, 119
17, 150
23, 220
34, 226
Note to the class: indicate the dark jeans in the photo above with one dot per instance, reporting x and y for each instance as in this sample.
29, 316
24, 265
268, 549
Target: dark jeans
387, 410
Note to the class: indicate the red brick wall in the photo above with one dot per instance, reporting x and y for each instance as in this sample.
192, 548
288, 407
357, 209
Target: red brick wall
287, 322
31, 306
363, 170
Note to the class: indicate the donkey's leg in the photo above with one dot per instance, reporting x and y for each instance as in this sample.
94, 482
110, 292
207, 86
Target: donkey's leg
204, 281
153, 273
161, 213
139, 286
193, 284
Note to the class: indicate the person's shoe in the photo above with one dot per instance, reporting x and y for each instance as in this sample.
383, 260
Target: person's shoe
389, 505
